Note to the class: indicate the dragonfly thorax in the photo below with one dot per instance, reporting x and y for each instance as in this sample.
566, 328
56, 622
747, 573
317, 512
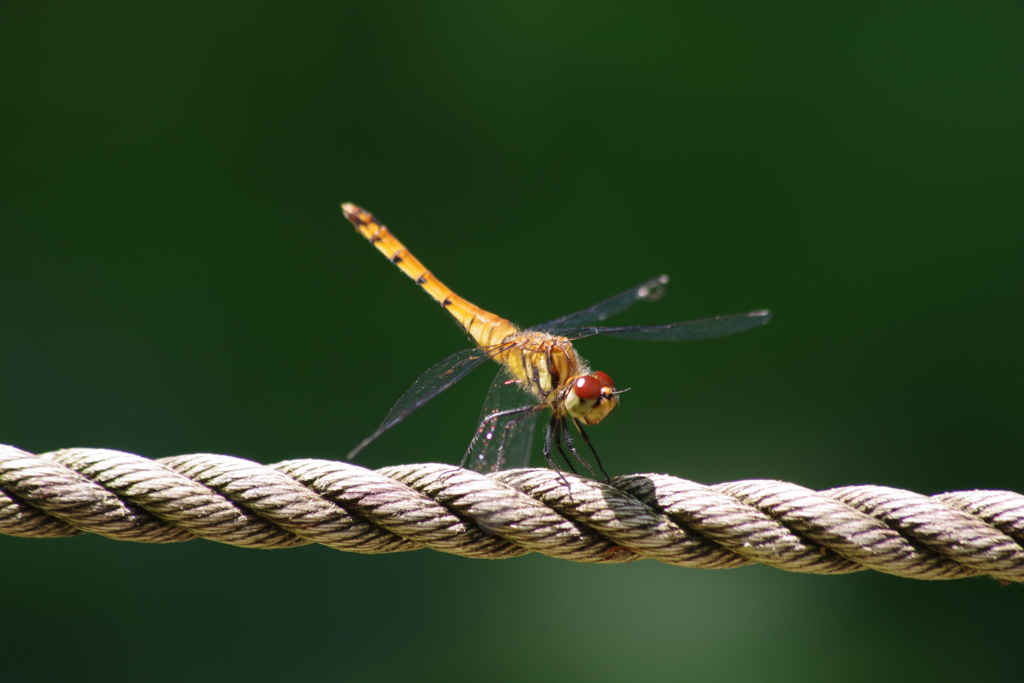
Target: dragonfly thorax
544, 364
549, 368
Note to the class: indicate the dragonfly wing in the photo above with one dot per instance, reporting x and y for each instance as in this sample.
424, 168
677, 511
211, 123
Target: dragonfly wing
431, 383
707, 328
652, 290
504, 442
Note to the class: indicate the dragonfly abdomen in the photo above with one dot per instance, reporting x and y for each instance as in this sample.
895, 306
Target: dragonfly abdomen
484, 327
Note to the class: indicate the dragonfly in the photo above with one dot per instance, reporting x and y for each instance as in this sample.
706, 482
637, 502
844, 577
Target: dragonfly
540, 368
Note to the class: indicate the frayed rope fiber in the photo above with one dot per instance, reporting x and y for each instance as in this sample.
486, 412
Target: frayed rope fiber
296, 502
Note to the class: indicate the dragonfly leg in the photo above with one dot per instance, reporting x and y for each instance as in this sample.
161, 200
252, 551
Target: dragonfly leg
547, 443
554, 434
586, 440
572, 449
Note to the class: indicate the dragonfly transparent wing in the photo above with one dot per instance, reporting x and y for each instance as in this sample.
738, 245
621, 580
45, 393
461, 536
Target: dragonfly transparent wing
503, 442
652, 290
439, 377
707, 328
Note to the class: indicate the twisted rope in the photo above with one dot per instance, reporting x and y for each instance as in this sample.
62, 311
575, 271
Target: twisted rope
296, 502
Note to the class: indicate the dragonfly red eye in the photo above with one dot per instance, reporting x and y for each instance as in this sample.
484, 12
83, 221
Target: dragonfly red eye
587, 388
604, 379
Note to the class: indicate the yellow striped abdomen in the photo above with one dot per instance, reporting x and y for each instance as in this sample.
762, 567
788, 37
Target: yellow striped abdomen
485, 328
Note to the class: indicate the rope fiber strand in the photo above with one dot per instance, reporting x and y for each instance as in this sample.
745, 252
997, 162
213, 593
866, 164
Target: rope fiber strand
296, 502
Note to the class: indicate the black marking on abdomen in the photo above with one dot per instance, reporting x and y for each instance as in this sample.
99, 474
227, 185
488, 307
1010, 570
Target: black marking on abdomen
446, 303
421, 279
397, 258
375, 237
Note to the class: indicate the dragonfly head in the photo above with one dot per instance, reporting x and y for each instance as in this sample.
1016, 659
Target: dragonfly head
591, 398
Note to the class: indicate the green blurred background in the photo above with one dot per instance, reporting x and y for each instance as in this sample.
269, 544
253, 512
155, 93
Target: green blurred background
177, 277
